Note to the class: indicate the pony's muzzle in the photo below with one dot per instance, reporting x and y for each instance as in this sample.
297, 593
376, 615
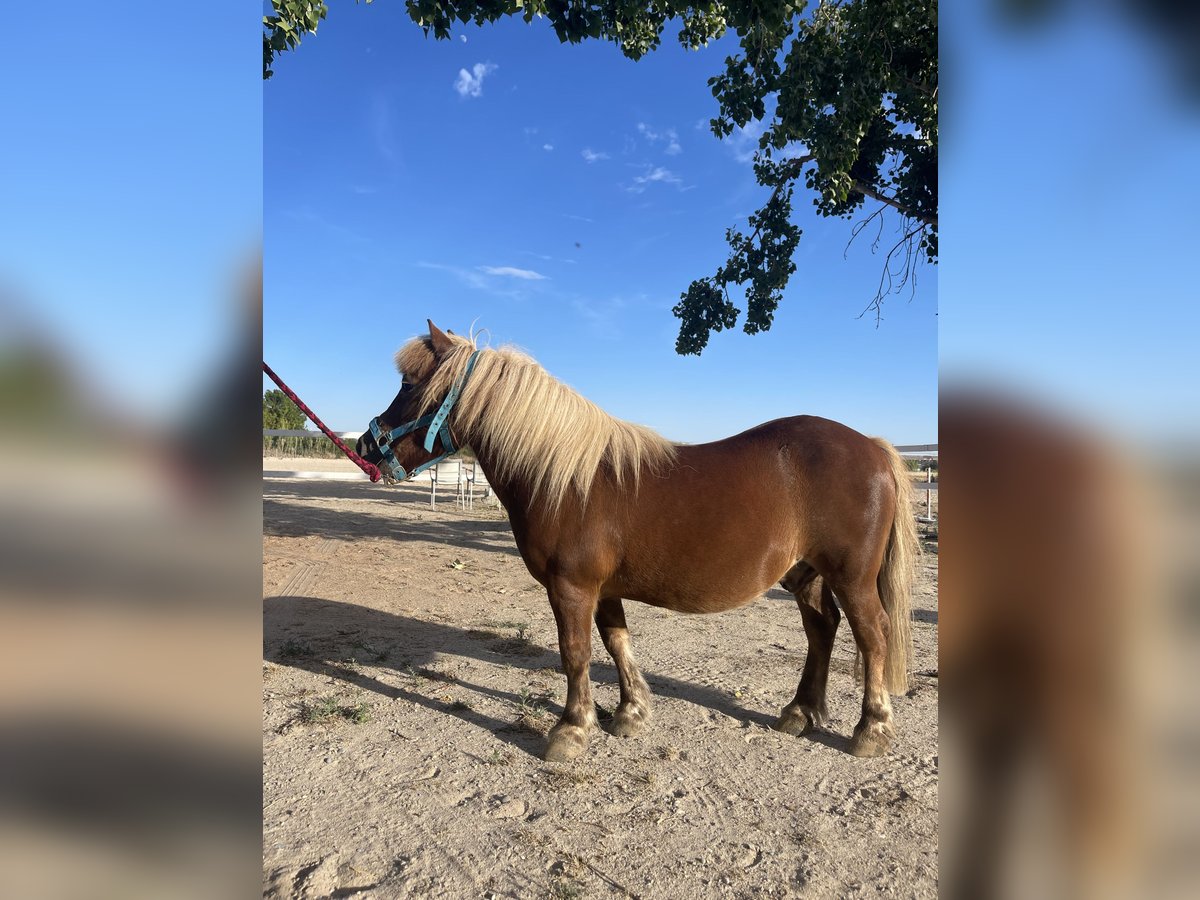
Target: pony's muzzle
368, 449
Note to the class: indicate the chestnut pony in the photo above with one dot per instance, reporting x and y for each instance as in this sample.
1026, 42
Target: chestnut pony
603, 510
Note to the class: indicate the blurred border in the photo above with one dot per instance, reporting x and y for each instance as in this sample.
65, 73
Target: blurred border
130, 494
1070, 425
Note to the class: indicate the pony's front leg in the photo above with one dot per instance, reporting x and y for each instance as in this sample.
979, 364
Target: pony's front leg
633, 712
573, 609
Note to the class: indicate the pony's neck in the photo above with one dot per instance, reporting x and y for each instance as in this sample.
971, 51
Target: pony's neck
516, 498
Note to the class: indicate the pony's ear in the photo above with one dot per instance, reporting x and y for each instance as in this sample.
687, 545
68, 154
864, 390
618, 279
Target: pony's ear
441, 343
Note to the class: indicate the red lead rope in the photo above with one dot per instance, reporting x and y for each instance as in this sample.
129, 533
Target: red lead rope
372, 472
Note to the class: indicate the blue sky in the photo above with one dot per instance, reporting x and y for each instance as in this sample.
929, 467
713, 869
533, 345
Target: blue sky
135, 173
131, 188
560, 197
1069, 224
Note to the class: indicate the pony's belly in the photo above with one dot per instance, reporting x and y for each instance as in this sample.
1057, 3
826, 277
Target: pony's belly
710, 597
724, 573
692, 603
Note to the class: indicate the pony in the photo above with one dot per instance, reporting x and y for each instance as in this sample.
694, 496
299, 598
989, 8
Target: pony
604, 511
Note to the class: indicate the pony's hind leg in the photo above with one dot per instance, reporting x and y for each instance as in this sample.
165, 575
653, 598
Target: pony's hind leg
869, 621
634, 709
573, 608
821, 618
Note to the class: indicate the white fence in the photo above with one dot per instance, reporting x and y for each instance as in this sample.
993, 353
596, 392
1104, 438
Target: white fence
930, 485
458, 478
465, 481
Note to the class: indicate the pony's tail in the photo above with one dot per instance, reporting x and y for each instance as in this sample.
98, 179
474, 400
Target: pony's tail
896, 577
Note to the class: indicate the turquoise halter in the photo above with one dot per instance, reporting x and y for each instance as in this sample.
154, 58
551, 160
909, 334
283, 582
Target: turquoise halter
438, 428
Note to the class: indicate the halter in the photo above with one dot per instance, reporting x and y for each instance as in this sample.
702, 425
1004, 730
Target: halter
438, 428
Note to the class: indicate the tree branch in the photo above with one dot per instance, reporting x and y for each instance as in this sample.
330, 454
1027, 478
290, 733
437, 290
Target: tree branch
859, 226
907, 272
797, 164
884, 198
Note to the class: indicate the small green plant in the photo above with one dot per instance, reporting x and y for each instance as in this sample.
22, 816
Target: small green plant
565, 889
322, 709
558, 780
292, 648
499, 757
375, 653
325, 709
531, 705
505, 623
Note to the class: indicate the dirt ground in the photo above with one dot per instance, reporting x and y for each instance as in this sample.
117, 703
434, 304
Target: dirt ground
411, 672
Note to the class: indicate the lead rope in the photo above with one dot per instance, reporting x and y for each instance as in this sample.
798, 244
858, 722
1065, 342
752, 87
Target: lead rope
372, 471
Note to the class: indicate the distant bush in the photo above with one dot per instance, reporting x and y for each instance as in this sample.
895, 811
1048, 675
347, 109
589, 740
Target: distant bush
319, 447
917, 464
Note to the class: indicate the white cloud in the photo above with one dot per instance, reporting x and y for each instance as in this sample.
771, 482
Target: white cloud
495, 280
654, 175
743, 142
543, 256
670, 137
381, 125
658, 173
512, 272
311, 217
547, 147
466, 276
794, 150
470, 84
604, 317
592, 156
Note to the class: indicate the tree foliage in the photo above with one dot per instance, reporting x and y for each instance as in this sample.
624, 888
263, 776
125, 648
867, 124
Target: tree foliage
290, 21
281, 413
843, 97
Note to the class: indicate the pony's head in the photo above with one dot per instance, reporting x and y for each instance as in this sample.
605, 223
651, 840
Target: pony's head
535, 433
399, 441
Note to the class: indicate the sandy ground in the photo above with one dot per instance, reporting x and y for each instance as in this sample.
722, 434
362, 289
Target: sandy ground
411, 672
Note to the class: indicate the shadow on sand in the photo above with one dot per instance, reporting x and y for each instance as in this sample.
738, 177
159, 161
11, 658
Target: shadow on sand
283, 517
412, 645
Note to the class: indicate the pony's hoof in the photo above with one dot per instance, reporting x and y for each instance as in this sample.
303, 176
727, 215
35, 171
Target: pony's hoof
629, 720
872, 739
567, 742
796, 720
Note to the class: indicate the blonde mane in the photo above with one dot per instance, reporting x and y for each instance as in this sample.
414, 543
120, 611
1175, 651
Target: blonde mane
532, 427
